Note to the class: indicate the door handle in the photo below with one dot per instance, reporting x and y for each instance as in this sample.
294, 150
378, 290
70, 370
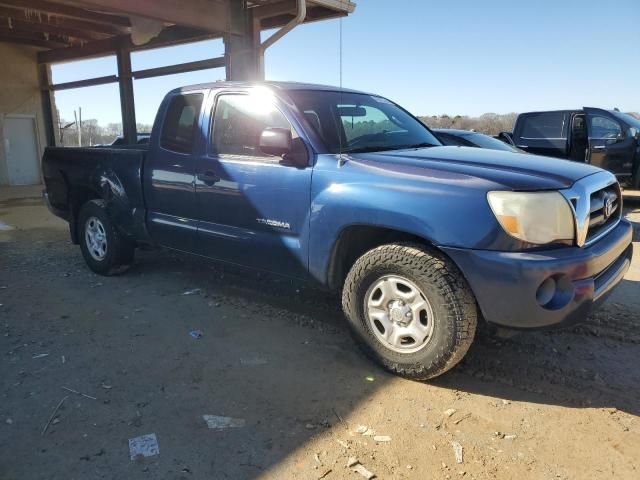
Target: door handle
598, 147
208, 178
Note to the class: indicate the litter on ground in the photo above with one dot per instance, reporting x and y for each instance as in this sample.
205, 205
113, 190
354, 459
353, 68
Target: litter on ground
145, 446
355, 465
253, 361
457, 450
216, 422
193, 291
196, 333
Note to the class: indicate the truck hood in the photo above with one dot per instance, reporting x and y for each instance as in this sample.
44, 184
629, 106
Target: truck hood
511, 170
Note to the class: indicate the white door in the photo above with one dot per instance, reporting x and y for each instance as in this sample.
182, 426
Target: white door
21, 150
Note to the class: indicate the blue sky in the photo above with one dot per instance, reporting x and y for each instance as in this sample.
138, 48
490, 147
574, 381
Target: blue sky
466, 57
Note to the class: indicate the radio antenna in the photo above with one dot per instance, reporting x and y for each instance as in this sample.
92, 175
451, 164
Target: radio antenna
340, 126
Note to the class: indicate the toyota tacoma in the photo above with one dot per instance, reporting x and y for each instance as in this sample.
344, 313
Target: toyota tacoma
349, 191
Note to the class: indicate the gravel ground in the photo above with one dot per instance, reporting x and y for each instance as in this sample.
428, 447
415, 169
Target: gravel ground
544, 405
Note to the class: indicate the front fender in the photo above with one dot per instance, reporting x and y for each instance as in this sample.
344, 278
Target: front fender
442, 208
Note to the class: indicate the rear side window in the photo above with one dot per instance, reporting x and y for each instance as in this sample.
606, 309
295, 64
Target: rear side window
180, 122
550, 126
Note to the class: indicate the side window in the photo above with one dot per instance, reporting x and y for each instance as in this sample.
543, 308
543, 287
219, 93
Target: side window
180, 122
551, 125
603, 127
238, 123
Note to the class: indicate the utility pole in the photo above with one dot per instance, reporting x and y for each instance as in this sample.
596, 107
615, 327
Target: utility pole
78, 117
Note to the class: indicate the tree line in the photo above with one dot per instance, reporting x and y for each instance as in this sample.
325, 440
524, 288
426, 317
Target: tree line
488, 123
92, 133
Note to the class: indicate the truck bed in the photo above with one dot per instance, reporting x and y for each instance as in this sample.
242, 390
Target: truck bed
74, 175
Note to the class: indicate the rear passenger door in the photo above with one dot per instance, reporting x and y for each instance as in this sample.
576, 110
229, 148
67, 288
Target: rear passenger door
543, 133
169, 172
253, 208
610, 145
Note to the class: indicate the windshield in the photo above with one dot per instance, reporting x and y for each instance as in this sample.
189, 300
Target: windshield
356, 122
485, 141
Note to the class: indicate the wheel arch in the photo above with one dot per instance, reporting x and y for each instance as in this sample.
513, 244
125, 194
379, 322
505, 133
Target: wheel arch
78, 196
107, 186
355, 240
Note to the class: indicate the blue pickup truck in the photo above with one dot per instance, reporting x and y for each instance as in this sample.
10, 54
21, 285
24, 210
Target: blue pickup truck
349, 191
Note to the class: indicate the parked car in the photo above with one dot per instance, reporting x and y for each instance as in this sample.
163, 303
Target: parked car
348, 190
605, 138
467, 138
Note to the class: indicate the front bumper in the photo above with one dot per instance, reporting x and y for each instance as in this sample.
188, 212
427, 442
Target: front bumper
506, 284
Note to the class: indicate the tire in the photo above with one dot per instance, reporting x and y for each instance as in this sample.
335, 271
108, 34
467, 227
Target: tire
445, 325
111, 254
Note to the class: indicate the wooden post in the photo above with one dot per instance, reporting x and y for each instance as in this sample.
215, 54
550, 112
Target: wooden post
127, 102
243, 50
44, 78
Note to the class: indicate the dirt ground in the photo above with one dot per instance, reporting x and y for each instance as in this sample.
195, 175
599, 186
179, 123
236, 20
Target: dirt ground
544, 405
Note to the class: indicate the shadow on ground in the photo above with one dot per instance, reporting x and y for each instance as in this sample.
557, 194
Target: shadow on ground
272, 352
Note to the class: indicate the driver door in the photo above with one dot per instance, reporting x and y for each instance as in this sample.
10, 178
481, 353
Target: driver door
610, 145
253, 208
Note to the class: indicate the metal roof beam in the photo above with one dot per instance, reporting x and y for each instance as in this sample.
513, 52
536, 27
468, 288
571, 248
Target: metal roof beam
102, 48
210, 15
68, 11
29, 16
22, 26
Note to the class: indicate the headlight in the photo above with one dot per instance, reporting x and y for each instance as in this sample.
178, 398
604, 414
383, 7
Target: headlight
534, 217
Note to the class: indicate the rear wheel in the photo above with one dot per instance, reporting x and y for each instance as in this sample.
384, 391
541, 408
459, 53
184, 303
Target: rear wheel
410, 309
104, 249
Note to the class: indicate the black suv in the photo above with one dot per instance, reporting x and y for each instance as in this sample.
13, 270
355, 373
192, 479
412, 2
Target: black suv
605, 138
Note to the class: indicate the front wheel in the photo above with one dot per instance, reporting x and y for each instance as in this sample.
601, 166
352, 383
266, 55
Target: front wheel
410, 309
104, 249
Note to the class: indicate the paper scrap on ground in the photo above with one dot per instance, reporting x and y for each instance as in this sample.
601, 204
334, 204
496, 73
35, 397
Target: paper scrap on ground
364, 430
354, 464
193, 291
457, 450
216, 422
5, 227
146, 445
253, 361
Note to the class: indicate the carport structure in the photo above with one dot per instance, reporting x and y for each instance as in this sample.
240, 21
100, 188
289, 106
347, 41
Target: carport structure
69, 30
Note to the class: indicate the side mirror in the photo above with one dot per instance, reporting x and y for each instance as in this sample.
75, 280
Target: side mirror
506, 137
276, 141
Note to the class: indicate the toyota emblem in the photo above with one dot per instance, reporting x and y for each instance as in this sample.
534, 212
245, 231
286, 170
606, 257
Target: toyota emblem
608, 207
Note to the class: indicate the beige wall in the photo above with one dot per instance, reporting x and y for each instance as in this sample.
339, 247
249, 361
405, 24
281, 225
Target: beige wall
19, 93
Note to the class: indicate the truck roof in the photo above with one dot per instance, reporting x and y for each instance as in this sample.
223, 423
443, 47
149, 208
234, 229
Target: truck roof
273, 85
567, 110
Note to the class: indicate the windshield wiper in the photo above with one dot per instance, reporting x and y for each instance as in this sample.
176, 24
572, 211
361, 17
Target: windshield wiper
420, 145
371, 149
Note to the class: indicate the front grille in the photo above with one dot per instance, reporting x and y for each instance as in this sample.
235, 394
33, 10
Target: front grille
604, 212
597, 205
